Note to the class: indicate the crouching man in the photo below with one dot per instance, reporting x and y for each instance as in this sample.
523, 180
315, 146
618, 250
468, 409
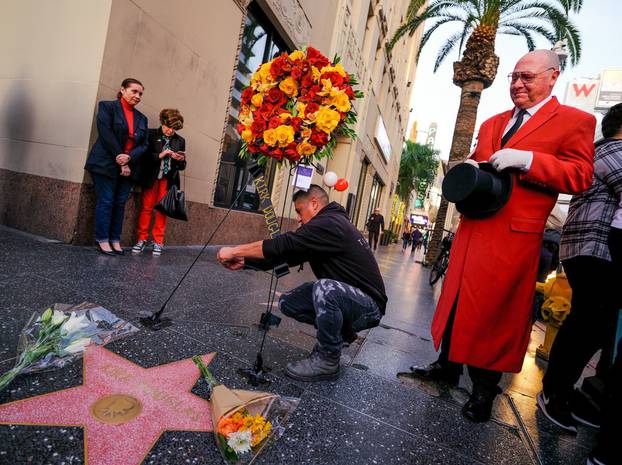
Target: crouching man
348, 295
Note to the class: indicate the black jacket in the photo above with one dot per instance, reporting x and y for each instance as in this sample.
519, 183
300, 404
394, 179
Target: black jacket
150, 162
334, 248
112, 135
375, 223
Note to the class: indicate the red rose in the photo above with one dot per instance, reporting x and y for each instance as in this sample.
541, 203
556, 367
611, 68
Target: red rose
306, 82
319, 138
312, 108
280, 66
350, 92
316, 58
334, 77
297, 73
275, 122
258, 127
252, 148
240, 127
246, 95
274, 95
296, 123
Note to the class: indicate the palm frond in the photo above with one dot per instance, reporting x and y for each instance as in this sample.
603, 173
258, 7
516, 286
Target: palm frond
447, 47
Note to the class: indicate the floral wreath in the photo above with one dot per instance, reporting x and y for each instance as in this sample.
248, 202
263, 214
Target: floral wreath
295, 107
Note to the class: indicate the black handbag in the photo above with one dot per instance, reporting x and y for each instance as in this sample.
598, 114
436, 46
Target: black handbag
173, 204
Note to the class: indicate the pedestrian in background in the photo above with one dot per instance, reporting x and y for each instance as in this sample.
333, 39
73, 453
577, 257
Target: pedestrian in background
588, 251
417, 239
375, 226
112, 161
159, 170
406, 237
484, 315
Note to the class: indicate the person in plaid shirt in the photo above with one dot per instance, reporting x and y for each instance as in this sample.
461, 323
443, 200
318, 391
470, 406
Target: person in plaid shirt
587, 260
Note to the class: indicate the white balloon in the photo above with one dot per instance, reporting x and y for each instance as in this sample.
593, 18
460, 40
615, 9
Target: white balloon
330, 178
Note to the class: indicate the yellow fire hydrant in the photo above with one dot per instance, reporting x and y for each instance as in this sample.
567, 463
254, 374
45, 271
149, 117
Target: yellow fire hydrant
554, 310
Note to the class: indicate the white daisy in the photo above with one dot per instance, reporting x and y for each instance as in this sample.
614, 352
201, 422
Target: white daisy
240, 442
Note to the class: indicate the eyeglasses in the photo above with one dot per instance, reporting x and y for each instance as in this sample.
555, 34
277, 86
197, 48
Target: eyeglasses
525, 76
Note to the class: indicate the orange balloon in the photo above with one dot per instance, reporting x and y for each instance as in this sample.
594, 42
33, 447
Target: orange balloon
342, 184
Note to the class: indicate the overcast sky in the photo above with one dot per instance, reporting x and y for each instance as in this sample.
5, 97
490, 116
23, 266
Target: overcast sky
435, 98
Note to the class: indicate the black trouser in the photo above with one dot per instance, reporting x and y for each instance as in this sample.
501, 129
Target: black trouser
609, 447
590, 322
483, 379
373, 239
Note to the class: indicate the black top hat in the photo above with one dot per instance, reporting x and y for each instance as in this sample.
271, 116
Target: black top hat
477, 193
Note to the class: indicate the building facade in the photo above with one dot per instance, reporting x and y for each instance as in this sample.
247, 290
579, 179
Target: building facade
197, 56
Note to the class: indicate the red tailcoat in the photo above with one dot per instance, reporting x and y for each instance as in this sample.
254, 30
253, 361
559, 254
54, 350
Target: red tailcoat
494, 261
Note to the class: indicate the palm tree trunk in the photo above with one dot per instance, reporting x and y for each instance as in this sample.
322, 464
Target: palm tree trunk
461, 143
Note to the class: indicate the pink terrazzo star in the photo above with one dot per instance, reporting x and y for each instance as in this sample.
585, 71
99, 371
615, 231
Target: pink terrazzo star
163, 391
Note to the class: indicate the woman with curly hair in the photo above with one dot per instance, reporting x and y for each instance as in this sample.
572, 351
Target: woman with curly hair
159, 170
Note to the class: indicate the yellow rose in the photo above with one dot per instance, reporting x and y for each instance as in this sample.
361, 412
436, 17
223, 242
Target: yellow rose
305, 133
337, 68
284, 135
342, 102
327, 120
289, 87
285, 115
247, 135
257, 100
297, 55
270, 138
305, 148
264, 72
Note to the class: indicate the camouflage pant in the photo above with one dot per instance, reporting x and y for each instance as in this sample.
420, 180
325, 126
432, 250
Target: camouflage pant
333, 307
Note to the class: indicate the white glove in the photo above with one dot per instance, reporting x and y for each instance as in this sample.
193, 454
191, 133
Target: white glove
512, 158
472, 162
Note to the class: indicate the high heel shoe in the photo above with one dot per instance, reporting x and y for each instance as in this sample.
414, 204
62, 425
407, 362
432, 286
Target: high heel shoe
117, 252
105, 252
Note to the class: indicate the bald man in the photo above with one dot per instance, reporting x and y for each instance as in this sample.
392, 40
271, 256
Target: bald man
483, 317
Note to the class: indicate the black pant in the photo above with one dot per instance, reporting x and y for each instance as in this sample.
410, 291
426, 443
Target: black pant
334, 308
590, 322
373, 239
483, 379
608, 443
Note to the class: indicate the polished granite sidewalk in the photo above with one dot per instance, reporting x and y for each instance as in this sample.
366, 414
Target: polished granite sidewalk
368, 416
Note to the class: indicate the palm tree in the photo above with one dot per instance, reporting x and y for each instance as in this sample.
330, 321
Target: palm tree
479, 23
417, 169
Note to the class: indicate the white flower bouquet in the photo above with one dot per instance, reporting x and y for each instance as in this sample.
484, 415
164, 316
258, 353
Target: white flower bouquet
60, 334
245, 422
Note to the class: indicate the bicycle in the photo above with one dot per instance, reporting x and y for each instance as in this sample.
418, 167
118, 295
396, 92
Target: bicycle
442, 260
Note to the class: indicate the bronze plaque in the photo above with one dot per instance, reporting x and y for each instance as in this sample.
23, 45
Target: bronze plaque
116, 409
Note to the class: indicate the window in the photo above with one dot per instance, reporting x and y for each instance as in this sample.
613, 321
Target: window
360, 189
260, 43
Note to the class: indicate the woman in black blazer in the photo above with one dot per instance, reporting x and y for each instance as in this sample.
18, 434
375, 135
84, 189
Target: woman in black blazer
112, 162
159, 170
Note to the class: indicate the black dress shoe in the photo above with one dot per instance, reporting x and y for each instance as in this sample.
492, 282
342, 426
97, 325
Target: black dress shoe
436, 372
105, 252
479, 406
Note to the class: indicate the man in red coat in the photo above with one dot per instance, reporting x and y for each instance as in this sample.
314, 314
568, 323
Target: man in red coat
483, 317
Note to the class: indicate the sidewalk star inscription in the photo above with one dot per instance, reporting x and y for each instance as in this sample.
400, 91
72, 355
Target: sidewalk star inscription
122, 407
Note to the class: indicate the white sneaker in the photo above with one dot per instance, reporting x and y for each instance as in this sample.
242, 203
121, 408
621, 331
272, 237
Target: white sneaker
157, 249
139, 247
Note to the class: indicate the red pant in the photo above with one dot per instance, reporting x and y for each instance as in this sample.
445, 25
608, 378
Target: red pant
151, 196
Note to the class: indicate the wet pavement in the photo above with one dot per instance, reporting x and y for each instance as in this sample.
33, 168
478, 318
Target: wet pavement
368, 416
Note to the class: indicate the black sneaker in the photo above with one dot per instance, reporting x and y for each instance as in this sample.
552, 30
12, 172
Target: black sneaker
557, 410
585, 410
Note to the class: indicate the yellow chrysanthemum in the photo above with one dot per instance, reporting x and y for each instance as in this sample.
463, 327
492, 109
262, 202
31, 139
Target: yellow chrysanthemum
297, 55
257, 100
289, 87
342, 102
327, 120
305, 148
284, 135
270, 137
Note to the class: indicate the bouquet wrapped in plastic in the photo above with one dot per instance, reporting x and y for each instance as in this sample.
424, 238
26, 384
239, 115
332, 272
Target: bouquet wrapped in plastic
59, 335
245, 422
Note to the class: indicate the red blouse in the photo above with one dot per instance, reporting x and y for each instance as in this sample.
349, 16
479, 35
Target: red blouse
128, 111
